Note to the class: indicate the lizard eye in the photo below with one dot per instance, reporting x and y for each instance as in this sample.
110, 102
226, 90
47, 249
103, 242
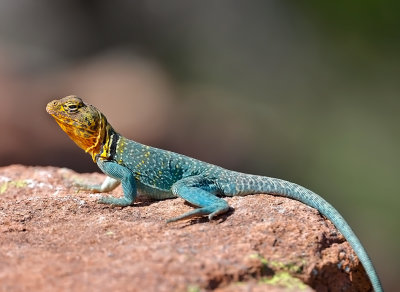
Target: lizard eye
71, 108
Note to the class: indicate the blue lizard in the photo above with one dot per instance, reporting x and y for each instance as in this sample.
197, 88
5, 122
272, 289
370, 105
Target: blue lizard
161, 174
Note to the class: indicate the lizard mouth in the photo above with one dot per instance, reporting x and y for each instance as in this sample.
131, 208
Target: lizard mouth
56, 109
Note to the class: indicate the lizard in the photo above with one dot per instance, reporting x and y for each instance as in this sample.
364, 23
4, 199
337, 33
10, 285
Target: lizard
161, 174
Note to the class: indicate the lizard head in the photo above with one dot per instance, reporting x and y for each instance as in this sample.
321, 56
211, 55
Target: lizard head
83, 123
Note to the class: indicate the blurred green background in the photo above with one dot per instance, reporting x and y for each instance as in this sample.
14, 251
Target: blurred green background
307, 91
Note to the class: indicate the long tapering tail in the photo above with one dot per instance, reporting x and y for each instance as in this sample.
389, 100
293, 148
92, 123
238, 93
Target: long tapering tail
260, 184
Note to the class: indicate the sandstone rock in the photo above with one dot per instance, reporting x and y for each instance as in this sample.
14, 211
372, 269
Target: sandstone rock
53, 237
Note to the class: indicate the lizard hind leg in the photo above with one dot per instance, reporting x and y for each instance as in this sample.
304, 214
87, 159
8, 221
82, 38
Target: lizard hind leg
199, 191
108, 185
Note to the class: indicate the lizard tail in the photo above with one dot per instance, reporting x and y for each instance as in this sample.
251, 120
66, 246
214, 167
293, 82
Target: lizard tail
250, 184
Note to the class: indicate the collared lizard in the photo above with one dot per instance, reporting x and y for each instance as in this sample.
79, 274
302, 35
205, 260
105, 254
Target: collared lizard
161, 174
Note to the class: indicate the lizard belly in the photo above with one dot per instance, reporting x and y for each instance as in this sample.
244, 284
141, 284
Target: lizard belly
153, 192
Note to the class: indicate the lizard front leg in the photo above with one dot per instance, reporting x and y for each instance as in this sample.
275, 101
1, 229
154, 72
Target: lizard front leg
199, 191
119, 174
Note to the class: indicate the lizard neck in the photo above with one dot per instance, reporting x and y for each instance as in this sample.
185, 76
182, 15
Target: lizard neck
108, 146
99, 145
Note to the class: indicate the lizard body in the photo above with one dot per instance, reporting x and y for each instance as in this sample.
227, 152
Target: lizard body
161, 174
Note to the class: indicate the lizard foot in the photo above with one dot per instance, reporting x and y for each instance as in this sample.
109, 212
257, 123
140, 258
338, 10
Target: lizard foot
211, 211
85, 187
122, 202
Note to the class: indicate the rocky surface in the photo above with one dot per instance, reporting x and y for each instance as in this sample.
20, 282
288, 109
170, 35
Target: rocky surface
54, 238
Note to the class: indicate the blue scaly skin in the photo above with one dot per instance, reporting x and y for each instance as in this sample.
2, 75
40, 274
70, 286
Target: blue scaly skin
161, 174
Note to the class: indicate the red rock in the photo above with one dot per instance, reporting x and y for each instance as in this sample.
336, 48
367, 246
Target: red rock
55, 238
